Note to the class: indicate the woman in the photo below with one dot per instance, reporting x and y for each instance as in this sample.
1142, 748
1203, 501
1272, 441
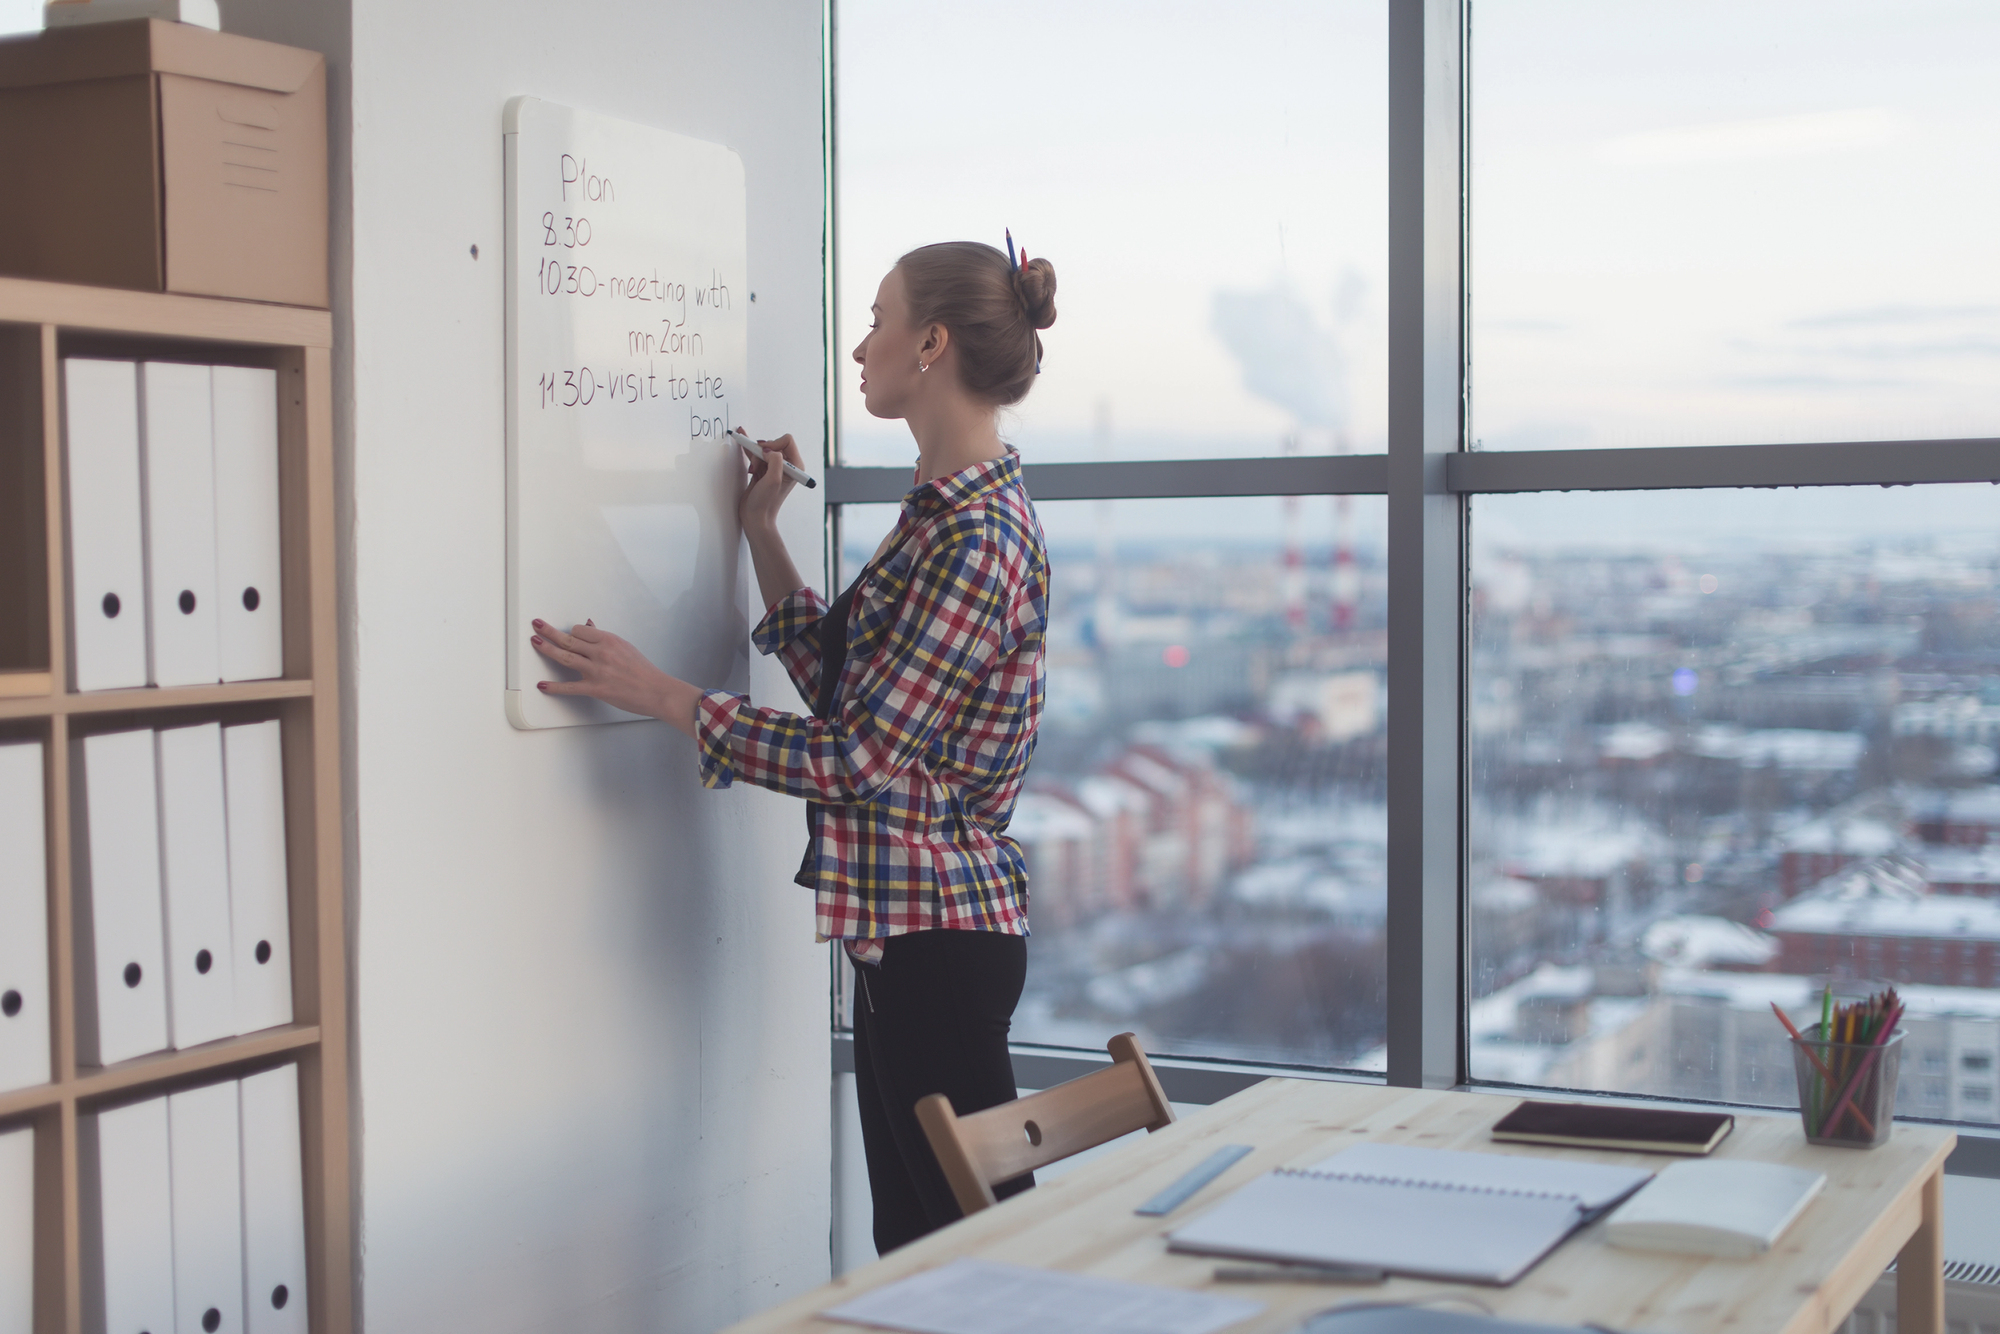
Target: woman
926, 681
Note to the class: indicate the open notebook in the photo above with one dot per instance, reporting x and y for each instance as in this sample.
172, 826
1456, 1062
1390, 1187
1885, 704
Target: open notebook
1433, 1213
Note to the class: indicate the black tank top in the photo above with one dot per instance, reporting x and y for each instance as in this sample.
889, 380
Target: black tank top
832, 661
833, 649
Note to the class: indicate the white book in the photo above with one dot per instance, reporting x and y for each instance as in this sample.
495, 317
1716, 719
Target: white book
177, 436
107, 536
123, 1010
129, 1237
260, 914
1432, 1213
24, 933
1731, 1209
274, 1204
247, 567
194, 865
206, 1152
17, 1230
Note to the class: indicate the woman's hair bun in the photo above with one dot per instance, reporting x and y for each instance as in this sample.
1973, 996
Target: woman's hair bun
992, 309
1036, 283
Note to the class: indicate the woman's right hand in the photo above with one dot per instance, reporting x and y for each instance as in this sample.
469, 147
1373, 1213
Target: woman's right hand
758, 507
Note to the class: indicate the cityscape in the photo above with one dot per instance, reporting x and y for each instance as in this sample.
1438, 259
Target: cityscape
1705, 776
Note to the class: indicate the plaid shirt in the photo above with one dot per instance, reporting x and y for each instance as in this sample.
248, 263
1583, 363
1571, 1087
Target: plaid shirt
915, 777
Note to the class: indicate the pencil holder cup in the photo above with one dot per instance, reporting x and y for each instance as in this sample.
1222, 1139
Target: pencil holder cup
1847, 1090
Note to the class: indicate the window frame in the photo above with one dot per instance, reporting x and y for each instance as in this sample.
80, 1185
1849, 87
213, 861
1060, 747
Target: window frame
1429, 475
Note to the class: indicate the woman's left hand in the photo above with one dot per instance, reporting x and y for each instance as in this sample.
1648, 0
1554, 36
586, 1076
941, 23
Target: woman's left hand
611, 669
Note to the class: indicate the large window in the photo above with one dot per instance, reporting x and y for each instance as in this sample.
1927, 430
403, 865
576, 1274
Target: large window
1550, 744
1204, 818
1209, 183
1720, 222
1727, 747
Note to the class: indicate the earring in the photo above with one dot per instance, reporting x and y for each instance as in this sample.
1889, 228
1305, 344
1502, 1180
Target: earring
922, 365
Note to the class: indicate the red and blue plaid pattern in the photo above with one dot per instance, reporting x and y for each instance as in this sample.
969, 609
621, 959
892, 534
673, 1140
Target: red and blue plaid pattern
917, 774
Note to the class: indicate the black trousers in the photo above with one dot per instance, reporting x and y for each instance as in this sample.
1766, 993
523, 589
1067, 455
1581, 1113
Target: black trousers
932, 1017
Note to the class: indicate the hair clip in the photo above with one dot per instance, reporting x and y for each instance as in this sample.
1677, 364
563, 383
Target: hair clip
1013, 265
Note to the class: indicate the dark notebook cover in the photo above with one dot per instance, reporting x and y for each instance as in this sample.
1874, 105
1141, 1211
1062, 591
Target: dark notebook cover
1593, 1125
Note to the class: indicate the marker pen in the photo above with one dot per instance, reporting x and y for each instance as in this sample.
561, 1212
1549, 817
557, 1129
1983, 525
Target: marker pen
756, 455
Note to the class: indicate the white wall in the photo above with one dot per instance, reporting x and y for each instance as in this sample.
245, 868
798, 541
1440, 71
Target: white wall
591, 1022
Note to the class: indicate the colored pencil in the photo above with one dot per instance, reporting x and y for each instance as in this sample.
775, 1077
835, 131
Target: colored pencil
1848, 1042
1854, 1080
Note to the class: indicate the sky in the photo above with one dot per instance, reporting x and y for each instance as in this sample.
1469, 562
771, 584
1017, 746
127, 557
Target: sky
1696, 222
1169, 158
1726, 222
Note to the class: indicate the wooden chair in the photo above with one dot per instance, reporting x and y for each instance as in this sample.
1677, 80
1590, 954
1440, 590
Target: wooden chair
1002, 1142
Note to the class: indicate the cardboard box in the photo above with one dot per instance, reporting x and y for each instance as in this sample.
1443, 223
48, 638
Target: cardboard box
166, 157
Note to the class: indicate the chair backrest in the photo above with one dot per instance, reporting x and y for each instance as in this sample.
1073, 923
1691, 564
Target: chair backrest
1002, 1142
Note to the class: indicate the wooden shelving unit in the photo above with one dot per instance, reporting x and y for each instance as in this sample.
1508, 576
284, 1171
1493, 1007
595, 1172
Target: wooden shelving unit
40, 323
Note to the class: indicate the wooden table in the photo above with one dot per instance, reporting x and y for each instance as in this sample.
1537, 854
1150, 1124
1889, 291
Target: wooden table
1879, 1205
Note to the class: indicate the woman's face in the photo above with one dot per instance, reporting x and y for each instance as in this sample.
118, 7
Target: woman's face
888, 353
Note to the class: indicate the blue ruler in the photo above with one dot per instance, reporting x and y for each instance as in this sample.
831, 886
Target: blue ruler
1211, 1167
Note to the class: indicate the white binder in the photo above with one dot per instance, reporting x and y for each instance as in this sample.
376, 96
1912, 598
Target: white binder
131, 1239
274, 1205
178, 451
208, 1209
107, 543
117, 875
17, 1231
194, 866
249, 616
260, 914
24, 927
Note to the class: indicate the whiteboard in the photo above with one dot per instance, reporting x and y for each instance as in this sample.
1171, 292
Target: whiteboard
625, 368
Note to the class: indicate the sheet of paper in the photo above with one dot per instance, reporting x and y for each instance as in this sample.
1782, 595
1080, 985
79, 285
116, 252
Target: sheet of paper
979, 1297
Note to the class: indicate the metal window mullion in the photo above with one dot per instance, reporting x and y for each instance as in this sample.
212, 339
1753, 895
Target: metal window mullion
1355, 475
1426, 540
828, 239
1847, 463
829, 287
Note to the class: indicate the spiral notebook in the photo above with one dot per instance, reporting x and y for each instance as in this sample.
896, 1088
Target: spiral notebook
1430, 1213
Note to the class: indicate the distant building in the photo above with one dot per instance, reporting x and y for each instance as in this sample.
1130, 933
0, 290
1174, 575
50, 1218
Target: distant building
1960, 718
1121, 811
1634, 743
1728, 1047
1059, 840
1579, 865
1707, 942
1308, 886
1711, 1036
1330, 706
1197, 831
1792, 749
1512, 930
1878, 919
1957, 817
1974, 872
1153, 828
1815, 850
